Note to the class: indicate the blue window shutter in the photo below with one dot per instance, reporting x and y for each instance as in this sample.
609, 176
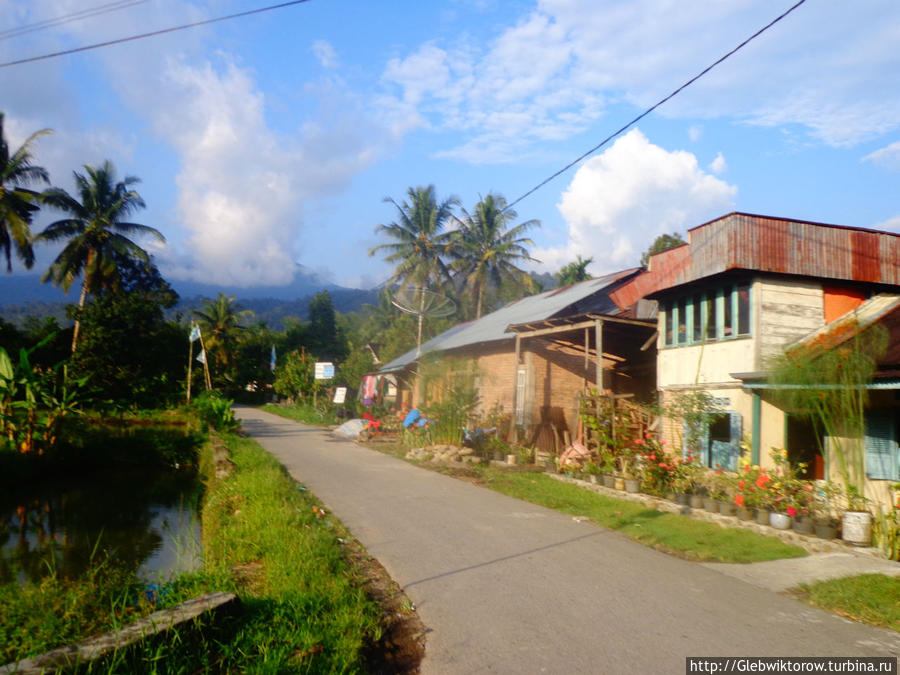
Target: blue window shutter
702, 442
881, 446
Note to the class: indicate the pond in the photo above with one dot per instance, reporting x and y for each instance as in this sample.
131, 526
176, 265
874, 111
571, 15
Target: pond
140, 521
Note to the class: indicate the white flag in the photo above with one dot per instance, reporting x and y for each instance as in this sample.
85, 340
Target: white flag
195, 332
201, 357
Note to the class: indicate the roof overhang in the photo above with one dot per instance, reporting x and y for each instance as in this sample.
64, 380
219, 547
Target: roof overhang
759, 381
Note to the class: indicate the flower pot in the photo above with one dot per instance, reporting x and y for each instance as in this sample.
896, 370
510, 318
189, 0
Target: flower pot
609, 480
727, 508
825, 529
803, 525
682, 499
780, 521
856, 528
743, 513
620, 483
696, 501
632, 485
710, 504
762, 516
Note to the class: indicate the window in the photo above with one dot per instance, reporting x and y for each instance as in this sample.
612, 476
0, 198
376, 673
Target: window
717, 314
719, 444
882, 455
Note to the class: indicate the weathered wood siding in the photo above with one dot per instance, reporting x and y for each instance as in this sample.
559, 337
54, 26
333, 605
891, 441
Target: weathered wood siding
787, 311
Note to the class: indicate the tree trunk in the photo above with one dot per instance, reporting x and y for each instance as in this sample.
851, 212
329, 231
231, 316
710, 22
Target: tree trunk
81, 300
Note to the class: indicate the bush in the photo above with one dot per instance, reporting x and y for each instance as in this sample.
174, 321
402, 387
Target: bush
215, 410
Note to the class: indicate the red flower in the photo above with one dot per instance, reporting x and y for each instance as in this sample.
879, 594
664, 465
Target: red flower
739, 500
639, 441
662, 465
747, 469
791, 511
761, 481
741, 485
653, 456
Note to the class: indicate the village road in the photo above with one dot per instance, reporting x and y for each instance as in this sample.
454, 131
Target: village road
508, 587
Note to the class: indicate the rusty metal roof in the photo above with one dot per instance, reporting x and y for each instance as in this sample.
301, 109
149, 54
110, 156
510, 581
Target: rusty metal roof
743, 241
591, 296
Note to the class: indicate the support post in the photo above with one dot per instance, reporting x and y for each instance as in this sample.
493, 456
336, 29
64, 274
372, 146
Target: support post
514, 432
757, 425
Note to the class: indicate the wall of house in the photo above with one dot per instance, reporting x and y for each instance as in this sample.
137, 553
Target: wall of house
786, 311
709, 364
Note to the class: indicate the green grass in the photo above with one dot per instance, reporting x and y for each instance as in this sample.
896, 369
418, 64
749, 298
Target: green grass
303, 607
304, 413
872, 598
688, 538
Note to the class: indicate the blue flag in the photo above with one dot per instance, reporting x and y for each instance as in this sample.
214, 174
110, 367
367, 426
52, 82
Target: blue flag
272, 360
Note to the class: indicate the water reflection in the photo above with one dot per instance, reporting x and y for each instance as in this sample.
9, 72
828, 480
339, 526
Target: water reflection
140, 522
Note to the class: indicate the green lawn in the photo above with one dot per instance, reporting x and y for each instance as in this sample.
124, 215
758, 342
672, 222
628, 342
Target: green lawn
685, 537
872, 598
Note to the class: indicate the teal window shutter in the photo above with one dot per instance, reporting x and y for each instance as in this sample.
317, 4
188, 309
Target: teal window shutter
702, 442
736, 423
882, 462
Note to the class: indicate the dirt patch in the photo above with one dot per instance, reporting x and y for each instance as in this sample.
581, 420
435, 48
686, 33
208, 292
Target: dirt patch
402, 645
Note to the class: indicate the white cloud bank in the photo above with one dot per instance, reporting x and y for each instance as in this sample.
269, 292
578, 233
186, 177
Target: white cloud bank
621, 200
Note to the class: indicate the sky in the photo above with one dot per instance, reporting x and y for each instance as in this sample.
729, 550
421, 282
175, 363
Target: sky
272, 140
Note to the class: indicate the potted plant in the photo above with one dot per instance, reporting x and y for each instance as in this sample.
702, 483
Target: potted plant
628, 465
592, 471
856, 522
825, 525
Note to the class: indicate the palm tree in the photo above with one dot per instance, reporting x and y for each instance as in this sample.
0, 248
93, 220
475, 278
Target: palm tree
220, 323
420, 239
574, 272
486, 249
96, 232
17, 204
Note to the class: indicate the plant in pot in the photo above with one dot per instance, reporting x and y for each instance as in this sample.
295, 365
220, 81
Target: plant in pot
628, 467
803, 497
727, 491
825, 524
592, 471
713, 489
608, 467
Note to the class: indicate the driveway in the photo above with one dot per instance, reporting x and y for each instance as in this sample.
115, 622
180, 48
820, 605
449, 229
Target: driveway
509, 587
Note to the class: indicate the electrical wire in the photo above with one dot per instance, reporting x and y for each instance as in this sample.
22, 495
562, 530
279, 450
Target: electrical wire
68, 18
141, 36
652, 108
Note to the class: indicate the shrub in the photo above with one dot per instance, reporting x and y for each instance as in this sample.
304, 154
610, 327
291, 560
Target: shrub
215, 410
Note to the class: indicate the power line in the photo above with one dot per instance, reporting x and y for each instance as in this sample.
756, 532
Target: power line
151, 33
68, 18
654, 107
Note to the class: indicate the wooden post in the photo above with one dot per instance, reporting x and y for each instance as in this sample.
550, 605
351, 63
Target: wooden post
513, 432
190, 358
598, 333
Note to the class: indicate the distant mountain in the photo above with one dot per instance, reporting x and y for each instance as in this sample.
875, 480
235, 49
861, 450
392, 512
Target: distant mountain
23, 295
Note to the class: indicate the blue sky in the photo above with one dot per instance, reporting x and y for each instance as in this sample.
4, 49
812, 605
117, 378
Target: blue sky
273, 139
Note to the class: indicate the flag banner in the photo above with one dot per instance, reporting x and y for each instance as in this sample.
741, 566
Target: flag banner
201, 357
195, 333
272, 360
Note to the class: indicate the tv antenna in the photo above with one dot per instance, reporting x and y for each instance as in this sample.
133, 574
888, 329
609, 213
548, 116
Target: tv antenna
421, 302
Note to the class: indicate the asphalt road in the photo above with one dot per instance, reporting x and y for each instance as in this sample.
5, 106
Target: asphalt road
508, 587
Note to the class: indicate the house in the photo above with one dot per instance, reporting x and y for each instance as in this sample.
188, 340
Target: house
744, 290
533, 359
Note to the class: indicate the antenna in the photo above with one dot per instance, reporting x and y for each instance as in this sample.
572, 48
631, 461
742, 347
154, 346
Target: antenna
422, 303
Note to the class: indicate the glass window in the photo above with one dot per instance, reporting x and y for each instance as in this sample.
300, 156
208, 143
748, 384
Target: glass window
711, 316
727, 314
682, 321
697, 306
743, 303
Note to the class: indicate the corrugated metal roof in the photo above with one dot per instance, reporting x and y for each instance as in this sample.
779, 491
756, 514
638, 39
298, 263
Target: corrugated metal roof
774, 245
586, 296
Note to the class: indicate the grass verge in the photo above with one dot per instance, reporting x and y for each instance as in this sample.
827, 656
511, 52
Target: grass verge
871, 598
303, 413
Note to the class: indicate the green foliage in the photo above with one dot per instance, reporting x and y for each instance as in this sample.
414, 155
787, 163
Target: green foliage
828, 386
252, 368
323, 415
215, 410
451, 398
35, 402
357, 364
574, 272
324, 338
296, 376
220, 325
133, 355
695, 410
662, 243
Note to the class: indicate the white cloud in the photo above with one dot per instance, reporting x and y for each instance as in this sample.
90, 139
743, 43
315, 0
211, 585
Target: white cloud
325, 53
695, 132
889, 225
829, 67
887, 157
621, 200
718, 165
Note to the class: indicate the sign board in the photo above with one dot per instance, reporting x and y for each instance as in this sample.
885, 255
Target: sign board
324, 370
340, 393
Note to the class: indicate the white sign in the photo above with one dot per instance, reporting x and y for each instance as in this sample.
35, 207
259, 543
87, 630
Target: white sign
340, 394
324, 370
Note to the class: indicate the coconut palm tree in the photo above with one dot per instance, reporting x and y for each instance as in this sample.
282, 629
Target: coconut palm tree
220, 324
96, 231
18, 204
574, 272
420, 241
486, 249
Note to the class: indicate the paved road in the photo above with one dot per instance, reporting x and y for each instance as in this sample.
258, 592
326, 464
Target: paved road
508, 587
